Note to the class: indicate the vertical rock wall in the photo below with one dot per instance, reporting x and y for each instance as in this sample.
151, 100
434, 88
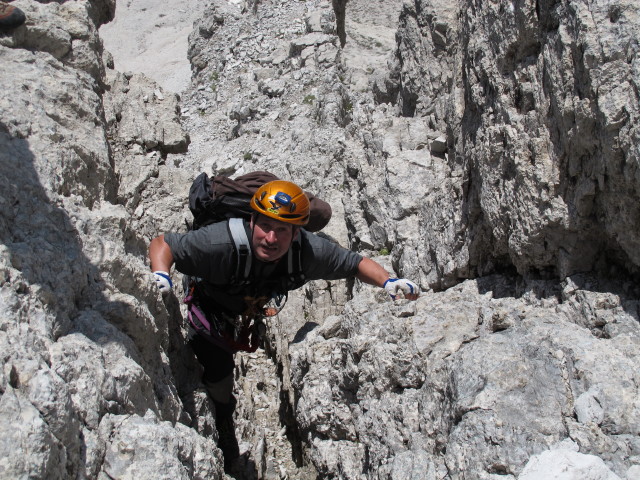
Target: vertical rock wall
86, 382
540, 102
502, 126
455, 142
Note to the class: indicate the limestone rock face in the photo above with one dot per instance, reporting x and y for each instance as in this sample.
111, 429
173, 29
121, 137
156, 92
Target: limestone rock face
143, 115
470, 382
540, 105
488, 151
86, 387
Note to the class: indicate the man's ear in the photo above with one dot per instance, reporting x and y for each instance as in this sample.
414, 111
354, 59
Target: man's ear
296, 231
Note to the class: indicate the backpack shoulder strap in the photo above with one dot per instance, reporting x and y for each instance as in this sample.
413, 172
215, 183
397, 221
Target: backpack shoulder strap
294, 262
242, 249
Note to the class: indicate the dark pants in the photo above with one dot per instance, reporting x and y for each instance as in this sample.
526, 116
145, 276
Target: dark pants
218, 367
217, 362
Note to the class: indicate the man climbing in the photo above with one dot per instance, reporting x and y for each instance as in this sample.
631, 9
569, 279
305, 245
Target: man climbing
225, 305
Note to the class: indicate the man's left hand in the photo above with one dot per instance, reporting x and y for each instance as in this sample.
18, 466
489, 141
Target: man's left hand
409, 289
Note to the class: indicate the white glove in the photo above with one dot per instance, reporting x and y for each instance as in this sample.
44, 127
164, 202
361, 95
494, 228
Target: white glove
407, 287
163, 281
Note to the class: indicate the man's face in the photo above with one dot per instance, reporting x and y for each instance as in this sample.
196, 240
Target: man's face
271, 238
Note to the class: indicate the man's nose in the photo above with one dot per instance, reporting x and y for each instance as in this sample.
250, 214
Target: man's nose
271, 236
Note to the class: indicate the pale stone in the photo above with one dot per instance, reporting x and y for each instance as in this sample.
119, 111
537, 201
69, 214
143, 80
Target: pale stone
489, 154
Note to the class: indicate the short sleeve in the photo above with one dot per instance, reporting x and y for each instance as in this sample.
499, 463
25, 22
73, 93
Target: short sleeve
325, 259
204, 253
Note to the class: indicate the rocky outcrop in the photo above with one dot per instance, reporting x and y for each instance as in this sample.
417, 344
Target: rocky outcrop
539, 102
487, 151
473, 382
499, 109
86, 385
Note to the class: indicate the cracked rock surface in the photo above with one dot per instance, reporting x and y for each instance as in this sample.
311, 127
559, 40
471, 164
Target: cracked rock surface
486, 150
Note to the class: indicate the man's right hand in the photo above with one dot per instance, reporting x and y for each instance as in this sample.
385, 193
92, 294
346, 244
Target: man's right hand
163, 281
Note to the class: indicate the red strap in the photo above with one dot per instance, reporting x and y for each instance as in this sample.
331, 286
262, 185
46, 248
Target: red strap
224, 340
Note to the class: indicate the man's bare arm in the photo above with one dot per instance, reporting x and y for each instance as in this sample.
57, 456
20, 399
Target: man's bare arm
373, 273
160, 255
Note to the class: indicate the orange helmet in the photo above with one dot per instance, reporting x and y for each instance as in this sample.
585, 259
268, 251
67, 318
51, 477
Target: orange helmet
282, 200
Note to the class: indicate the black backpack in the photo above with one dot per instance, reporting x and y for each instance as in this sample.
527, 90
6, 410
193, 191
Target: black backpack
221, 198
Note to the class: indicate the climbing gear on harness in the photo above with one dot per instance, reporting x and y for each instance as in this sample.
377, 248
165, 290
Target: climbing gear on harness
275, 305
231, 333
283, 201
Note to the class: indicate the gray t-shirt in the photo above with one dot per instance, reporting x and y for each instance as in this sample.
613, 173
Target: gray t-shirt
208, 253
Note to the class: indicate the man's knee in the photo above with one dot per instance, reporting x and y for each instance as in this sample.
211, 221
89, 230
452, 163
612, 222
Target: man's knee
221, 391
217, 363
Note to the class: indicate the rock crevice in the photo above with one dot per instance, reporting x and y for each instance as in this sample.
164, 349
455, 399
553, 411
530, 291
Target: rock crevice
488, 151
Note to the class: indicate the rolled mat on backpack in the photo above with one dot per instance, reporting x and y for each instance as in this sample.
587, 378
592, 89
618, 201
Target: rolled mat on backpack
248, 183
